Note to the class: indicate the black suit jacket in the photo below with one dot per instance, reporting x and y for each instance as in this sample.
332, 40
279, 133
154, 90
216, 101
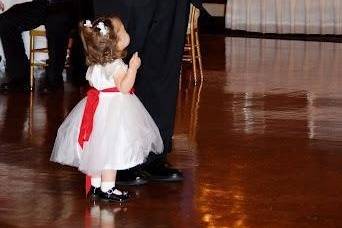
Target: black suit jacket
103, 7
79, 9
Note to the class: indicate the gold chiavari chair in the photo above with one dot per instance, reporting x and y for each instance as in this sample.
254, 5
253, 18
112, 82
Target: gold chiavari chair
33, 50
192, 49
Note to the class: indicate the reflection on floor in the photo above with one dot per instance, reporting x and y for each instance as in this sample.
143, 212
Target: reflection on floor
260, 144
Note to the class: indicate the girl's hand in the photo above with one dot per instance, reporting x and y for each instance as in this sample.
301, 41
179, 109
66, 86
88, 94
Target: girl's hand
135, 61
2, 6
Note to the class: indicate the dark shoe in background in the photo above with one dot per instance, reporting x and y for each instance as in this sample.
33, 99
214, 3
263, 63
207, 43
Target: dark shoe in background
7, 87
131, 177
164, 172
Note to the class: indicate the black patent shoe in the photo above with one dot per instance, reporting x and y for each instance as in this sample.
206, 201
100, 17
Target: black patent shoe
131, 177
165, 173
93, 192
114, 195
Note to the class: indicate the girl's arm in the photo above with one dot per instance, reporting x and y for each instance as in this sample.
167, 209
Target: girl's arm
125, 81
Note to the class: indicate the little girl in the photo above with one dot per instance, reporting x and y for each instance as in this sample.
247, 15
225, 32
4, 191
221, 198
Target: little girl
110, 129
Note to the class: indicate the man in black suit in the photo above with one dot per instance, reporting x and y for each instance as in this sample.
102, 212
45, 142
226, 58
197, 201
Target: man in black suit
157, 29
59, 18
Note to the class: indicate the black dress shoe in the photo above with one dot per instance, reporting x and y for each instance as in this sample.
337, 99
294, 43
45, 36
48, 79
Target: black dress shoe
5, 87
93, 192
164, 172
131, 177
114, 195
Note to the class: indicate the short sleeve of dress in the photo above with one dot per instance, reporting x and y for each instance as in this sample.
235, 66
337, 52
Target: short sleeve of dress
114, 68
102, 76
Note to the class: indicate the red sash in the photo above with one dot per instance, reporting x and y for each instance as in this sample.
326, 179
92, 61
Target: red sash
89, 112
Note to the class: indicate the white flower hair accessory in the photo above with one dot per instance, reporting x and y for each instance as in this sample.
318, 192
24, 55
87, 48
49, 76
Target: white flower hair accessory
88, 24
103, 29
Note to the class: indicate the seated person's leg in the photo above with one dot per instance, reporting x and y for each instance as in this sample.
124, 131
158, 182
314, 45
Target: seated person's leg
19, 18
17, 64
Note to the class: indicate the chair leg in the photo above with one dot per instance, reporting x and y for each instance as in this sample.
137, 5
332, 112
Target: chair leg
193, 55
188, 39
30, 120
32, 47
199, 55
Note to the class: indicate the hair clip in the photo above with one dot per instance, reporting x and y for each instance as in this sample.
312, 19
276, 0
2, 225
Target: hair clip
103, 29
88, 24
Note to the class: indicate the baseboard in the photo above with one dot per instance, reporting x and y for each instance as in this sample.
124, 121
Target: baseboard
216, 26
303, 37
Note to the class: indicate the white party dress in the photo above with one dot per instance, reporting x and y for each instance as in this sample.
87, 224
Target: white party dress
123, 132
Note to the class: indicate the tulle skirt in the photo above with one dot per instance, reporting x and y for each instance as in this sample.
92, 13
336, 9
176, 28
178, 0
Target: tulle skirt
122, 137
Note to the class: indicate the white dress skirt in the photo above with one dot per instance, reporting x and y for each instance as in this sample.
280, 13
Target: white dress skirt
123, 132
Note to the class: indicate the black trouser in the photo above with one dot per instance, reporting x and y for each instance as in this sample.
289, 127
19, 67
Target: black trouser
157, 29
78, 64
20, 18
58, 25
59, 20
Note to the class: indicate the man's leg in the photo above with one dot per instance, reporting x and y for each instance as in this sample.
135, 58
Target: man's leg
19, 18
58, 27
162, 57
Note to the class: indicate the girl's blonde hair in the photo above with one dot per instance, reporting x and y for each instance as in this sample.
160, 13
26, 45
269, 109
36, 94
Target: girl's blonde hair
100, 44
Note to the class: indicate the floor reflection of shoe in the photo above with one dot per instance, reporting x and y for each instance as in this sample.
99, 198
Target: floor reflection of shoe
49, 89
115, 195
45, 90
131, 177
103, 215
164, 172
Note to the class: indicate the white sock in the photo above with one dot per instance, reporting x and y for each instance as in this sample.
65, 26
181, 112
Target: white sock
106, 185
96, 182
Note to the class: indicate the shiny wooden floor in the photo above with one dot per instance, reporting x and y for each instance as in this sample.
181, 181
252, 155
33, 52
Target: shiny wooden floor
260, 144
